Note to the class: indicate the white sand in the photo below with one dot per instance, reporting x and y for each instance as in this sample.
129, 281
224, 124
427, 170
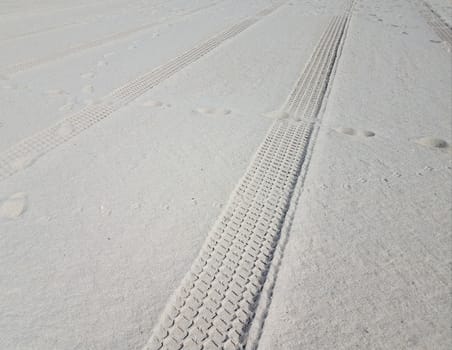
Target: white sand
97, 233
368, 261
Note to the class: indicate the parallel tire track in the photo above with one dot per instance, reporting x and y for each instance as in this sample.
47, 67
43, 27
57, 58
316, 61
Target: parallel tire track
441, 27
92, 17
26, 65
27, 151
23, 66
215, 305
87, 20
51, 10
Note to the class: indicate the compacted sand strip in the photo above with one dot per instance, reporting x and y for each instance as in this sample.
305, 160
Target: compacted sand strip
217, 301
24, 153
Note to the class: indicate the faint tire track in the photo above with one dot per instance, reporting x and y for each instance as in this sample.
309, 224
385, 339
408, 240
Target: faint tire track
48, 29
434, 20
216, 303
26, 65
25, 152
51, 10
84, 22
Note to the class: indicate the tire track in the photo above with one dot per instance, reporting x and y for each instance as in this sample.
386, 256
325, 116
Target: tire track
303, 95
41, 11
262, 309
434, 20
26, 152
26, 65
92, 18
216, 303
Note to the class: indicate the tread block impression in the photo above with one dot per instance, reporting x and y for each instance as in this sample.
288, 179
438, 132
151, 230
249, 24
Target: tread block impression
217, 299
216, 302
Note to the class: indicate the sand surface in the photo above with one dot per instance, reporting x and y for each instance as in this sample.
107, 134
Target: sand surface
258, 174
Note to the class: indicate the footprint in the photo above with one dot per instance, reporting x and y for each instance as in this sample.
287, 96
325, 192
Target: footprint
432, 142
14, 206
88, 89
87, 75
224, 111
353, 132
346, 186
211, 110
277, 115
365, 133
205, 110
152, 103
346, 131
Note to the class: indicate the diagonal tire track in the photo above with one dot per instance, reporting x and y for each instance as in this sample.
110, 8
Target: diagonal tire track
215, 305
434, 20
25, 152
92, 17
24, 66
84, 20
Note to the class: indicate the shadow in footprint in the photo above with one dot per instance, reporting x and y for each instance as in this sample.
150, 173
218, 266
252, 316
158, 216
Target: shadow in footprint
152, 103
354, 132
278, 114
211, 110
432, 142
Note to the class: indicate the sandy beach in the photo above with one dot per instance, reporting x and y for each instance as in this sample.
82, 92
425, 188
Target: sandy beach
225, 174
